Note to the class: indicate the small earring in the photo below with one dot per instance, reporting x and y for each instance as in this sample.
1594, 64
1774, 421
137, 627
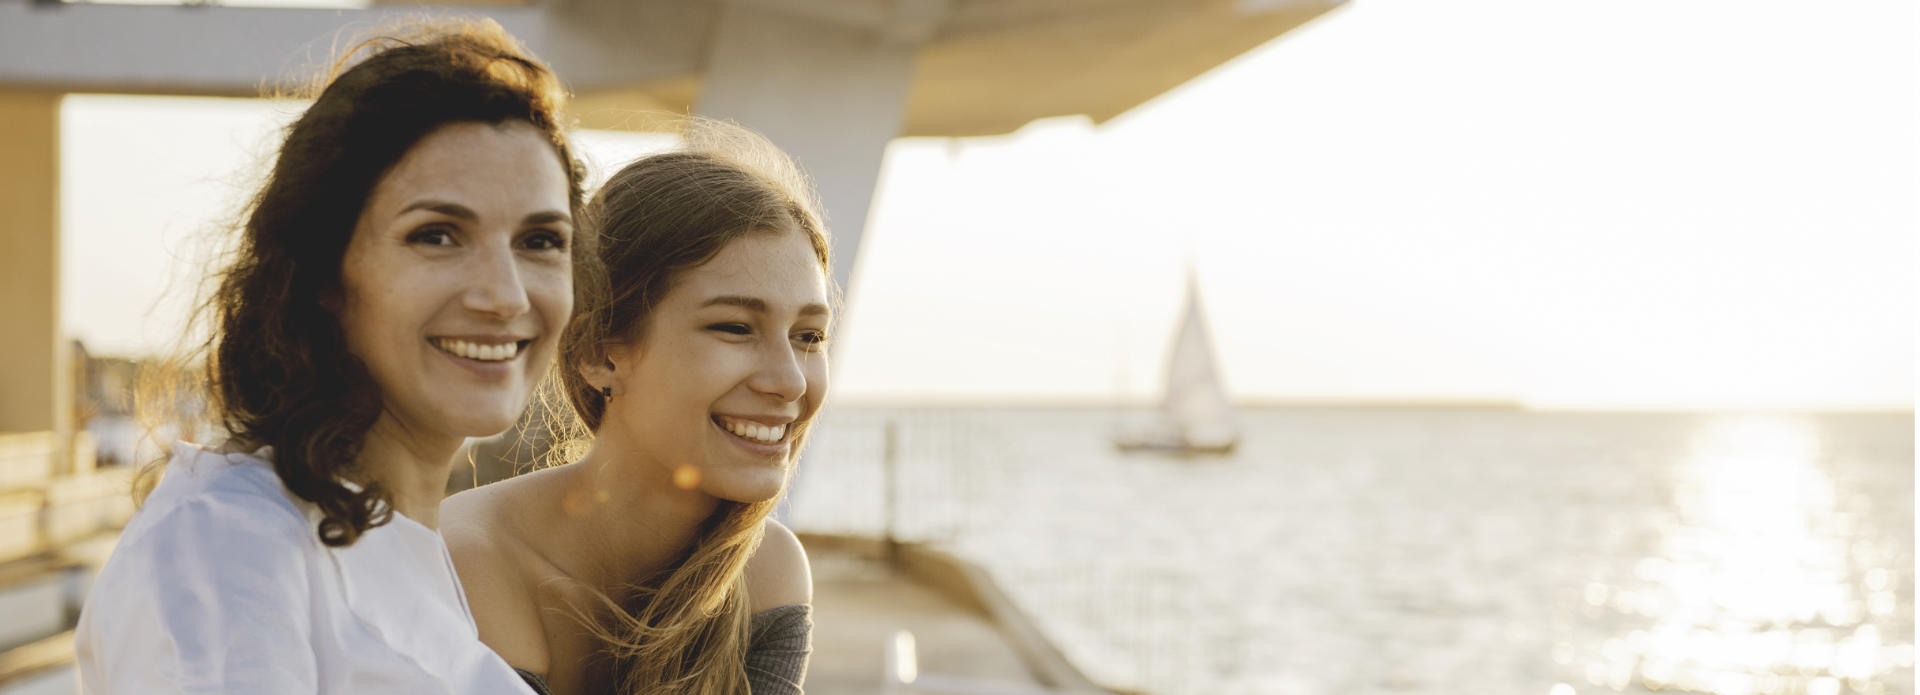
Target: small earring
606, 392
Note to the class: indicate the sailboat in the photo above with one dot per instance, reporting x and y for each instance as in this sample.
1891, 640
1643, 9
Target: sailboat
1195, 417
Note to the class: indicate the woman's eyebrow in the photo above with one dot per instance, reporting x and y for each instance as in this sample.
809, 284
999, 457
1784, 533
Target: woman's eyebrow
442, 207
548, 217
754, 304
463, 212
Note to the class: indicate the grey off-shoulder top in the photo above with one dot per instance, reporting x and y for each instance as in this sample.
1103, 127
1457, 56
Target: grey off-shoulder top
780, 642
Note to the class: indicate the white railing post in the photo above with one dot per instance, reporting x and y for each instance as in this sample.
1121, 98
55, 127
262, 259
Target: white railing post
902, 663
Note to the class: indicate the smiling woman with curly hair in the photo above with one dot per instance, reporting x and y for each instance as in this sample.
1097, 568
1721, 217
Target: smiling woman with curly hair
400, 284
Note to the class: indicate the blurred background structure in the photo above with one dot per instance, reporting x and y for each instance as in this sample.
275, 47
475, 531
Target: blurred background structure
830, 81
1571, 343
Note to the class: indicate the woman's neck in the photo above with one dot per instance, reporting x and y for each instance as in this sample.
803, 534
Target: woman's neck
621, 517
413, 467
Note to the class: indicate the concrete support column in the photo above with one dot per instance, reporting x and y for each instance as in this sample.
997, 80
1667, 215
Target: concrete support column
36, 381
830, 94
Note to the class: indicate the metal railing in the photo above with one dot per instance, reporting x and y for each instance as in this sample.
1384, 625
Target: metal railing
943, 476
903, 676
45, 505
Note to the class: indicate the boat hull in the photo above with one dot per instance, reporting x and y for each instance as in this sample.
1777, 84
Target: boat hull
1176, 448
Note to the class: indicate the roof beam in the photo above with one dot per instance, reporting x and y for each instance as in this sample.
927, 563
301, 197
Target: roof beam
244, 51
227, 50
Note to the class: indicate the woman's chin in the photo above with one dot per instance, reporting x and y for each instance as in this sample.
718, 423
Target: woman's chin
747, 487
475, 425
479, 412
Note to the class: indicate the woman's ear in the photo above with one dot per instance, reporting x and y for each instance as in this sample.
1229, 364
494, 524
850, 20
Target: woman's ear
599, 371
602, 368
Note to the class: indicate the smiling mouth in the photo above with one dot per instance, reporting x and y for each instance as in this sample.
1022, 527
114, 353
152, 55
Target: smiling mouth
752, 431
482, 352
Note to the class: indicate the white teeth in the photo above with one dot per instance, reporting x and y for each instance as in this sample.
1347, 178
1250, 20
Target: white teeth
757, 432
485, 353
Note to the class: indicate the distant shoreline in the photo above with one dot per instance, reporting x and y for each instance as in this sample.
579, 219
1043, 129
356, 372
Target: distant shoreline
1074, 403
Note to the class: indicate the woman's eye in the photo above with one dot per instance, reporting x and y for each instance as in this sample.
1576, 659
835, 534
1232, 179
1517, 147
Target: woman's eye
431, 236
544, 241
812, 338
733, 328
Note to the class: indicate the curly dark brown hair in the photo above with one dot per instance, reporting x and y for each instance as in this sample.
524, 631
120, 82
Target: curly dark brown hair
277, 371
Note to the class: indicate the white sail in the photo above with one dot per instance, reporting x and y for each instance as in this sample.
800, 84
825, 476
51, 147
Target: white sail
1196, 403
1196, 415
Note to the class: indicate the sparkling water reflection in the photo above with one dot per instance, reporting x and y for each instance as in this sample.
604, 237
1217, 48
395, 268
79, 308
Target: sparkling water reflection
1761, 582
1431, 552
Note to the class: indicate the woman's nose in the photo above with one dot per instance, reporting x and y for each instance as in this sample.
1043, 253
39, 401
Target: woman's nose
496, 287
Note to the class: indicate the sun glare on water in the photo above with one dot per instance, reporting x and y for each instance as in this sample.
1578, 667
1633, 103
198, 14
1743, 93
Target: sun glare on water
1754, 587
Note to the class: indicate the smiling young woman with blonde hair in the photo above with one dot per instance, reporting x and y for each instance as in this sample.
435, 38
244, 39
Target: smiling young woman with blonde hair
650, 563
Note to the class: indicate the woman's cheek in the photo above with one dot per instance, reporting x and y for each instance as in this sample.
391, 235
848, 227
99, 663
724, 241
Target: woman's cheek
817, 380
554, 295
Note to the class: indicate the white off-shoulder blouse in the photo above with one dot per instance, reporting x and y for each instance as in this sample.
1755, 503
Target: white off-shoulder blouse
221, 585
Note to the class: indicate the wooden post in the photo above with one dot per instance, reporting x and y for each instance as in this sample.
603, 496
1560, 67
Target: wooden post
889, 484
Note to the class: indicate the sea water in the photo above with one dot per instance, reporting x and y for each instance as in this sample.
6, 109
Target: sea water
1442, 551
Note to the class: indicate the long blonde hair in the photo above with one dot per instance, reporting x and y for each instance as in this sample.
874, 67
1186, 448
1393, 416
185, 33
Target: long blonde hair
683, 630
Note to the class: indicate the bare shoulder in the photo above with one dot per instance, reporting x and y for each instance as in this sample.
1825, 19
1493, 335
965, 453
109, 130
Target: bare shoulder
778, 574
474, 529
499, 588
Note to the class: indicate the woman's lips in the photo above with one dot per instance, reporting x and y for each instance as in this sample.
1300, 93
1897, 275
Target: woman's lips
753, 431
480, 349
